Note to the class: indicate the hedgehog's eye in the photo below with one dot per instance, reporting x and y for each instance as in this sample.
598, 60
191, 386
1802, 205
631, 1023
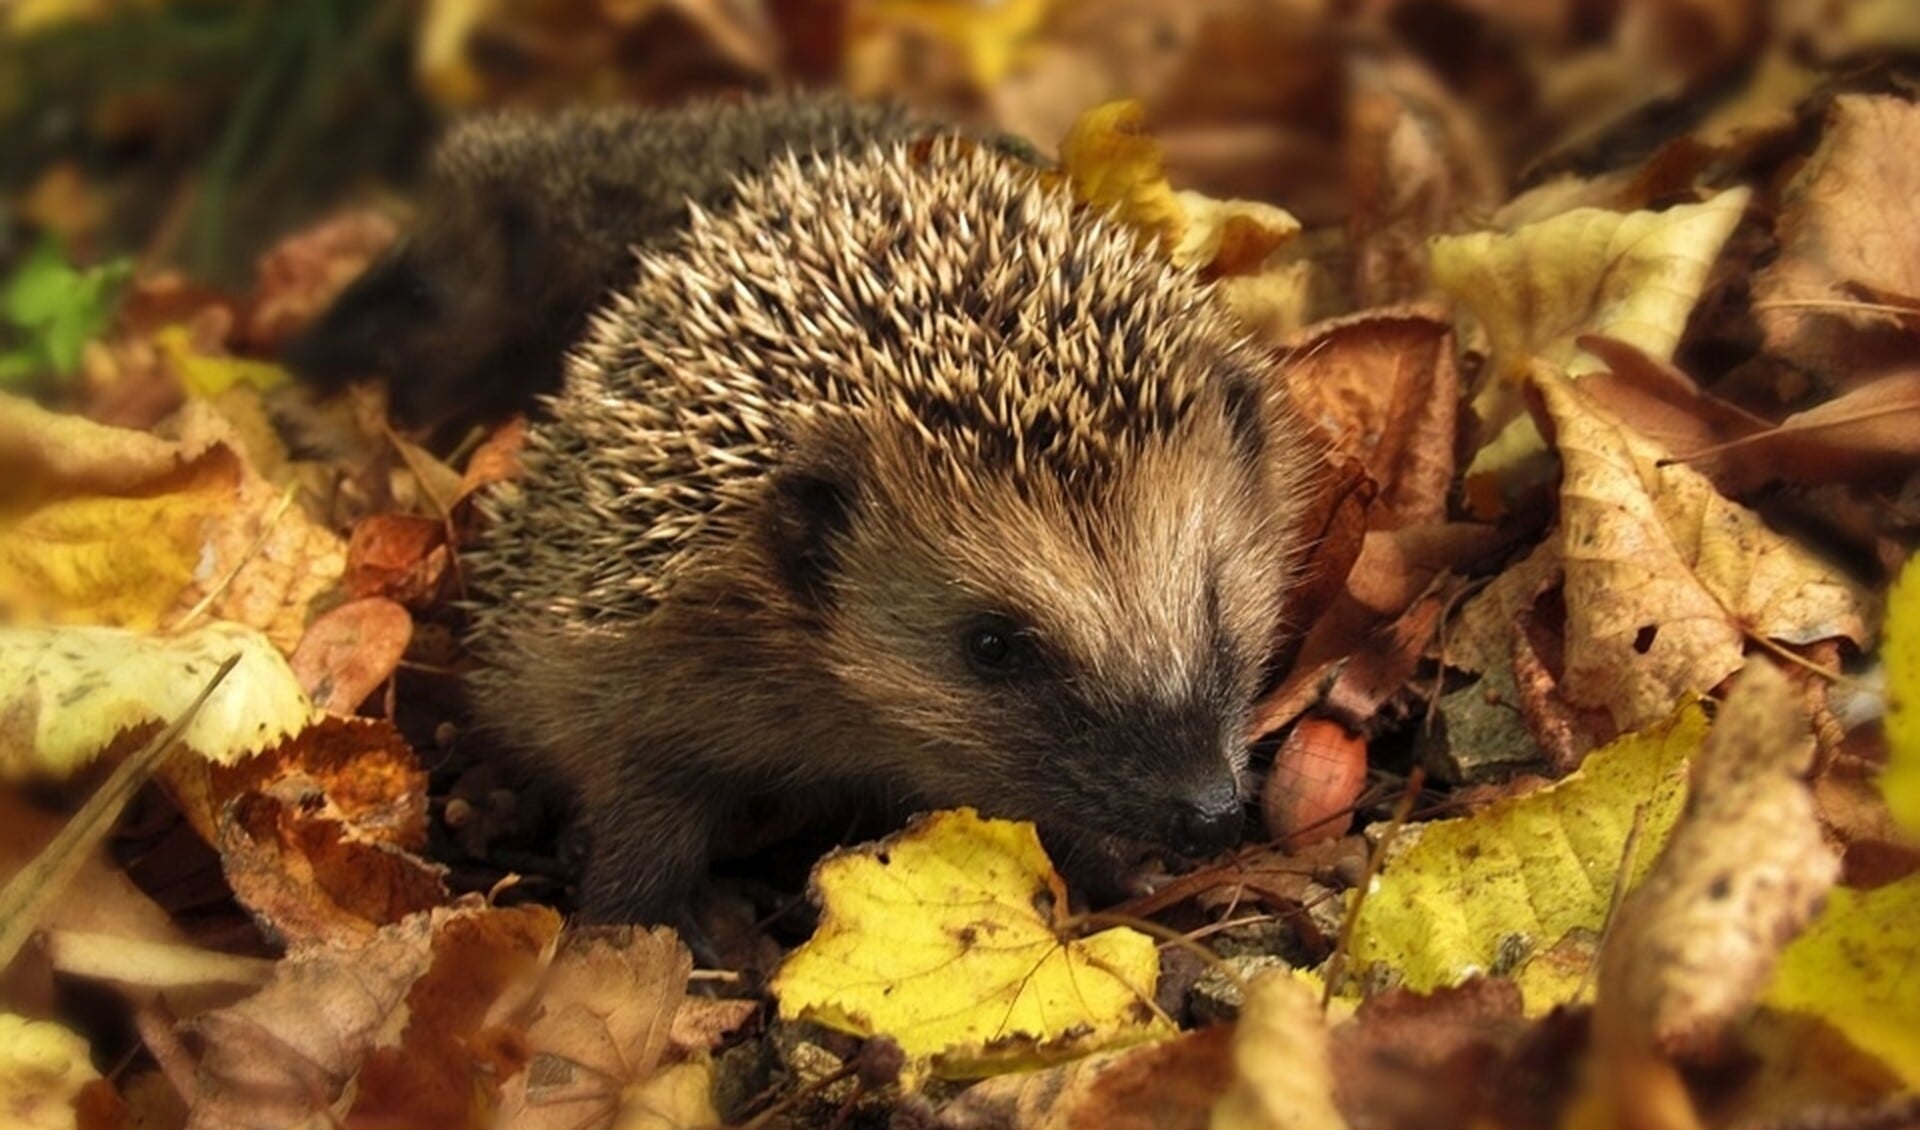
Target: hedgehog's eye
996, 646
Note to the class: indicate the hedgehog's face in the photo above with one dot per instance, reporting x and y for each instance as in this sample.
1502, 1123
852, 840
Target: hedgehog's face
1079, 654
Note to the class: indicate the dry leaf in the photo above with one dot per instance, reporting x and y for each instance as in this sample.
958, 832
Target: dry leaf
1743, 871
1848, 221
1170, 1085
1383, 386
350, 651
1664, 578
1282, 1065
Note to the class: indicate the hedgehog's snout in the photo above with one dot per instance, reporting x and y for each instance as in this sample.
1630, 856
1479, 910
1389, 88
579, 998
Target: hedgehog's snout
1208, 820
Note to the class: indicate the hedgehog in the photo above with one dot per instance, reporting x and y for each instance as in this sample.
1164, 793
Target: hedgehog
901, 476
527, 221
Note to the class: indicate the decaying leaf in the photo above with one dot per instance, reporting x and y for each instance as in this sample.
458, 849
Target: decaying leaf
602, 1038
1847, 225
1282, 1068
1486, 892
67, 693
947, 939
1742, 872
348, 652
285, 1055
1383, 386
1664, 578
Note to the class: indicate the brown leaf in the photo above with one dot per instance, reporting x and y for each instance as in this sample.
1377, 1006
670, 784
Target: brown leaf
1741, 874
1664, 577
284, 1056
600, 1028
1851, 218
403, 557
1384, 386
1410, 1059
360, 772
303, 273
1871, 430
1416, 162
1168, 1084
348, 652
312, 880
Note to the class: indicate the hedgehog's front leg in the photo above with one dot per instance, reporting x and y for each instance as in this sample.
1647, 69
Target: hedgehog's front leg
650, 836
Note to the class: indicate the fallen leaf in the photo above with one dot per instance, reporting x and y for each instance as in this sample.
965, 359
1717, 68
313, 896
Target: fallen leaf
1633, 276
402, 557
946, 939
67, 693
286, 1055
1853, 968
1438, 1059
1742, 872
1900, 651
1282, 1065
1527, 871
45, 1075
1113, 164
111, 526
1417, 162
599, 1037
1383, 386
350, 651
1847, 221
310, 878
300, 276
1664, 578
1169, 1085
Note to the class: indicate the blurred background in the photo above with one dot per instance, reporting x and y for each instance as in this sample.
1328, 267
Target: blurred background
195, 134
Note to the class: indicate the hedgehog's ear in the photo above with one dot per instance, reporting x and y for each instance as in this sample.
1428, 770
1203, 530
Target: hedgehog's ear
809, 501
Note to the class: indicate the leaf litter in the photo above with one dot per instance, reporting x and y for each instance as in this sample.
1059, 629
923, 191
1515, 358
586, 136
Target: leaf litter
1612, 343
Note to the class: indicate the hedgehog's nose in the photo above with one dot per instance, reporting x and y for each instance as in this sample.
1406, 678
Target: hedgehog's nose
1208, 821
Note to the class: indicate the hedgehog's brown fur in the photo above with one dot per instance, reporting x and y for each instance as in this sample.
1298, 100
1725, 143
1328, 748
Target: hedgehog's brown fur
824, 439
526, 221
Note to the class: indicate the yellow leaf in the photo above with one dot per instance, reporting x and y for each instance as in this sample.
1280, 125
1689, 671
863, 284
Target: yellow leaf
1630, 275
66, 693
1471, 895
990, 37
43, 1068
440, 59
1112, 162
1854, 968
113, 526
946, 938
207, 375
1900, 650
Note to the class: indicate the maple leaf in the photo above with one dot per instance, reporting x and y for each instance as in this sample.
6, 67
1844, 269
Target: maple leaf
946, 938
